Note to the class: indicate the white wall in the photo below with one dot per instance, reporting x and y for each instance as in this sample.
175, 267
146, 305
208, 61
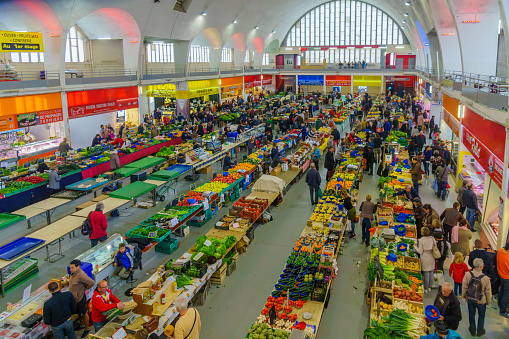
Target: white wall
83, 130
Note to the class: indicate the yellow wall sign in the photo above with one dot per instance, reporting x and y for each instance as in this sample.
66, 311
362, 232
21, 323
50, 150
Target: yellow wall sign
163, 91
21, 42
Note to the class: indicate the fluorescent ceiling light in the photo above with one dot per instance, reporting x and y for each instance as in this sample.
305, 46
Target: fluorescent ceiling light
426, 44
406, 14
366, 47
256, 27
404, 21
103, 38
234, 21
273, 31
382, 46
333, 48
288, 48
203, 13
22, 31
350, 47
407, 3
402, 27
400, 46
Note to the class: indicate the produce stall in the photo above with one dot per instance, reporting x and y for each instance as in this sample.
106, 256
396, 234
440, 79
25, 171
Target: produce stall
395, 290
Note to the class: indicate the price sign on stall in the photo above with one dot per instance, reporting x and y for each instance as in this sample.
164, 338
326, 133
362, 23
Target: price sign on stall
152, 234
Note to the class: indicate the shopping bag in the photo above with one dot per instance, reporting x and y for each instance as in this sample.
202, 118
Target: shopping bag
348, 227
434, 186
320, 192
438, 279
284, 167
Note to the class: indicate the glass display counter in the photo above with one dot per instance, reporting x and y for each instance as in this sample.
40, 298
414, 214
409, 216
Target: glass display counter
475, 173
101, 257
39, 147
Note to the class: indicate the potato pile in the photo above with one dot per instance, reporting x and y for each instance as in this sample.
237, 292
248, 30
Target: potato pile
402, 293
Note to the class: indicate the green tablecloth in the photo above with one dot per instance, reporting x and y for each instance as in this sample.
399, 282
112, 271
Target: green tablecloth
145, 162
133, 190
164, 175
126, 171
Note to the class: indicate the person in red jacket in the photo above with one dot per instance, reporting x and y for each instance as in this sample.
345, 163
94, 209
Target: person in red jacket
103, 300
98, 224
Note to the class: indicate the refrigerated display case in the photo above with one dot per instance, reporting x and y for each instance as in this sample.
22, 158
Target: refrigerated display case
101, 257
476, 174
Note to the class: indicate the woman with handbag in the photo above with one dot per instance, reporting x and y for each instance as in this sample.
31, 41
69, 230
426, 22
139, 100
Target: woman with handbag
425, 247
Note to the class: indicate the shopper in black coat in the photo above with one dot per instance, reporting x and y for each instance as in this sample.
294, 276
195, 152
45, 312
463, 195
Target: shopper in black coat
329, 163
448, 303
313, 180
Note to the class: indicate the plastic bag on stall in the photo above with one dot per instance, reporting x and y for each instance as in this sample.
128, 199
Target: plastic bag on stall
267, 216
434, 186
438, 279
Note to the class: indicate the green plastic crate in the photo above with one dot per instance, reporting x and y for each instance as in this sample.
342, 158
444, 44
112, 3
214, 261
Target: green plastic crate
167, 246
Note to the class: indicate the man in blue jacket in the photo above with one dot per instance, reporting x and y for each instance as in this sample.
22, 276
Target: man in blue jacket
442, 332
123, 262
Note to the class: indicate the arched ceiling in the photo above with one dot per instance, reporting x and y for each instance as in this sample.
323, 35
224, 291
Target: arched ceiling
161, 21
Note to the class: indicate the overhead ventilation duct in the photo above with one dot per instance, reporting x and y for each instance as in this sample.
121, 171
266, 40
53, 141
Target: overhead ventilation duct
182, 5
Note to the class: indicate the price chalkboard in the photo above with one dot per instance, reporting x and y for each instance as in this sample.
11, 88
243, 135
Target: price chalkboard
272, 314
379, 267
152, 234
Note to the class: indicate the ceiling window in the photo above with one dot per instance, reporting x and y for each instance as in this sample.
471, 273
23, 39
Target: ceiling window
27, 57
227, 55
160, 52
345, 22
198, 54
74, 46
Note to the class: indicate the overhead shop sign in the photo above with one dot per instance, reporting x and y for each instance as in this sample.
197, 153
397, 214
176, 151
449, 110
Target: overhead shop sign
21, 42
491, 164
83, 103
310, 80
338, 80
40, 118
452, 122
162, 91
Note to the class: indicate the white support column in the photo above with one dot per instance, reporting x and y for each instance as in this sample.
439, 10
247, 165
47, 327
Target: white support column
65, 114
181, 52
503, 227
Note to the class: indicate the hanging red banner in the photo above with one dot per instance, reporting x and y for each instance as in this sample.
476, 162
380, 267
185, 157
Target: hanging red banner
493, 166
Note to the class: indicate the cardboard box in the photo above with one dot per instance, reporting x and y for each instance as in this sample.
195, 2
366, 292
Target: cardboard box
276, 170
206, 170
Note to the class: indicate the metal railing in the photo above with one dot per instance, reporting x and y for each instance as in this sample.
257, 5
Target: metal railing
488, 90
28, 79
99, 75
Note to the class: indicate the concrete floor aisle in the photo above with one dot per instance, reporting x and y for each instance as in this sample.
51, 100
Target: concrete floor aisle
232, 308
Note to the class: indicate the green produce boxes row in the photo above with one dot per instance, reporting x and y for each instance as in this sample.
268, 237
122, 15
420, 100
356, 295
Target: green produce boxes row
142, 231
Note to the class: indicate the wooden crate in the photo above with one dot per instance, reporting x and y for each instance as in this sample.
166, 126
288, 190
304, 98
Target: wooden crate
412, 260
219, 275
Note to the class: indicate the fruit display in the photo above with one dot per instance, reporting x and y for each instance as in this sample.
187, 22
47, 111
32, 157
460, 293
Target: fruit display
215, 187
245, 166
229, 179
402, 293
33, 179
